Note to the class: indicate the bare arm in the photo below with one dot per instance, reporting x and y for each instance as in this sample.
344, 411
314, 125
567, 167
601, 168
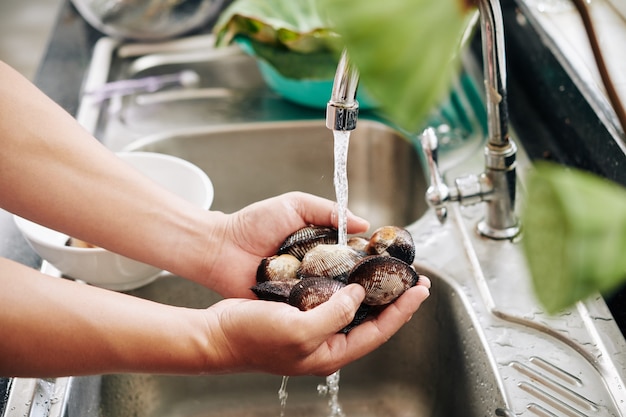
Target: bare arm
55, 173
53, 326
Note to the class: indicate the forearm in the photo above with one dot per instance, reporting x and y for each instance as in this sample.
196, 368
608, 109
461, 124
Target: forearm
52, 326
54, 172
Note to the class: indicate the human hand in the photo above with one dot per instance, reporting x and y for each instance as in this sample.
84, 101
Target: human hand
272, 337
258, 230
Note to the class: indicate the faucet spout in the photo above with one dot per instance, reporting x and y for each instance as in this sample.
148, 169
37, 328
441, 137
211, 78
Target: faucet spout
342, 110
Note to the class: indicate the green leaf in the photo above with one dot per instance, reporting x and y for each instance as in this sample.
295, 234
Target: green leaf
406, 50
574, 235
295, 65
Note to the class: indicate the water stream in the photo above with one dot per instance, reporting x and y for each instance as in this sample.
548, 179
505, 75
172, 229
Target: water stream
340, 180
342, 141
332, 390
282, 395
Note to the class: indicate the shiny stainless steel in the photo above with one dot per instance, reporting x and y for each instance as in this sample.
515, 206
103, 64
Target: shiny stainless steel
571, 364
468, 189
261, 160
38, 397
147, 19
479, 346
342, 110
438, 193
500, 221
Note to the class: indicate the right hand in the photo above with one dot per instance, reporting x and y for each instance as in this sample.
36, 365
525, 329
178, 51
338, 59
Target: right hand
253, 335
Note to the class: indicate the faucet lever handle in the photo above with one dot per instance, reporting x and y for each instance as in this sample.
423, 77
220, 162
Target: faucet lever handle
438, 193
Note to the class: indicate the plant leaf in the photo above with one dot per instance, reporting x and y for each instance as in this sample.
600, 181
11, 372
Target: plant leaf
406, 50
574, 235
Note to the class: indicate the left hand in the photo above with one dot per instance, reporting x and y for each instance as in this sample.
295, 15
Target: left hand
258, 230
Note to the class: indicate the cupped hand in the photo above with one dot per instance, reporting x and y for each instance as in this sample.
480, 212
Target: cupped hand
258, 230
273, 337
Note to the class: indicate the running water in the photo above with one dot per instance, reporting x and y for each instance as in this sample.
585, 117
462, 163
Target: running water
340, 179
332, 390
342, 140
282, 395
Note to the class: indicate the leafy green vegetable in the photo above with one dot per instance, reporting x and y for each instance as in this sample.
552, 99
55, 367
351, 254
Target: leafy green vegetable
406, 50
295, 65
294, 25
574, 235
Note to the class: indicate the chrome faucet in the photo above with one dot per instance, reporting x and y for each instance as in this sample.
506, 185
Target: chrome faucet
342, 110
496, 186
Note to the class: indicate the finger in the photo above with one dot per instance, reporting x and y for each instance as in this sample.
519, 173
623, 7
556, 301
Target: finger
317, 210
330, 317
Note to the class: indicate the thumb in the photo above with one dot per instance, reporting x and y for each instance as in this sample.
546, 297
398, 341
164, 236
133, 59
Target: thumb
336, 313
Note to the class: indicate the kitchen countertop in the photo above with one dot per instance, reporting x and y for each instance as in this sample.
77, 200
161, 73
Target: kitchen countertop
553, 135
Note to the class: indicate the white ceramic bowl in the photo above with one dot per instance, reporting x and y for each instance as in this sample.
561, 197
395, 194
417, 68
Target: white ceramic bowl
101, 267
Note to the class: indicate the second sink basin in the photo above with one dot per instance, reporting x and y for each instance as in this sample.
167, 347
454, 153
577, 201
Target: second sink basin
254, 161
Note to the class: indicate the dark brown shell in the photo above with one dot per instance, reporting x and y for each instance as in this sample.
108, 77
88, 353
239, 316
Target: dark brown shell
392, 240
305, 239
274, 290
277, 268
329, 261
384, 278
308, 293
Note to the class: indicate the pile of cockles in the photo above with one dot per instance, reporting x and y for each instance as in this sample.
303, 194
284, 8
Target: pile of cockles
311, 266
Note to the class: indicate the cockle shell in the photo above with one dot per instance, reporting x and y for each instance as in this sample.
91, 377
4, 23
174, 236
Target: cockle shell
278, 268
308, 293
381, 264
358, 243
274, 290
394, 241
330, 261
384, 278
305, 239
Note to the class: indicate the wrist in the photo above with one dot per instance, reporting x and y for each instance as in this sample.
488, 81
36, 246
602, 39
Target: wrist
200, 246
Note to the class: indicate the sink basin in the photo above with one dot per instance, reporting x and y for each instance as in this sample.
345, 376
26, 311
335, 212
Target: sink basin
435, 366
250, 162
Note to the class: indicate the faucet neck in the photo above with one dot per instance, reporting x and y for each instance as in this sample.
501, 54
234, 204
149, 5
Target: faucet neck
342, 109
494, 68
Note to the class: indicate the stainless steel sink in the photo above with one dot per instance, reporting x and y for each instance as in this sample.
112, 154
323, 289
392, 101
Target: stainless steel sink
435, 366
250, 162
479, 346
